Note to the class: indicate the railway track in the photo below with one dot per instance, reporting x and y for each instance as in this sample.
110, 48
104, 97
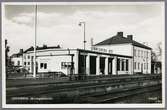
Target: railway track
114, 96
74, 89
13, 83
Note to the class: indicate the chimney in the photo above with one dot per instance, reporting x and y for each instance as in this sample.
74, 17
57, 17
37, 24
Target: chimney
21, 51
44, 46
120, 34
130, 37
91, 41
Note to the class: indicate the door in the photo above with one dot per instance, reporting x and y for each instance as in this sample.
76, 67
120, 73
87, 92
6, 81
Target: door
92, 65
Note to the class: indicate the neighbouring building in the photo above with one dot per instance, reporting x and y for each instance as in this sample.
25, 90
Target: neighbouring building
17, 59
141, 54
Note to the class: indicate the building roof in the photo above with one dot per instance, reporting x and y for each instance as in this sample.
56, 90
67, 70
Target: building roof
41, 48
120, 39
17, 55
20, 53
90, 51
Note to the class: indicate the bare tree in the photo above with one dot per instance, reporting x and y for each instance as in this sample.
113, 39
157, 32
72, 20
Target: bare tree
159, 50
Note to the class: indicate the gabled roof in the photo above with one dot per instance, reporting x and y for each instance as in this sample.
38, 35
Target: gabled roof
41, 48
17, 55
118, 39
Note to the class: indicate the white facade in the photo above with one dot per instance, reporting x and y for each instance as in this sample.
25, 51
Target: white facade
142, 60
122, 49
48, 60
17, 61
141, 56
52, 60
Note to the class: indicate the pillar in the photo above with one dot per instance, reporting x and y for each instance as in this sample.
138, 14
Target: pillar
88, 64
106, 66
114, 70
125, 65
97, 65
120, 64
76, 62
129, 66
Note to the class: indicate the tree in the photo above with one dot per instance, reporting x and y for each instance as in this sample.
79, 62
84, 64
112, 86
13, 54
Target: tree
159, 50
153, 56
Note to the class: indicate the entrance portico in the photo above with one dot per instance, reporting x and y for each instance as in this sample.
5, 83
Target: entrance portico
104, 64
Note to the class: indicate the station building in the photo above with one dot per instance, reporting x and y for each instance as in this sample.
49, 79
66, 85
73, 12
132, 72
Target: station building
126, 56
141, 54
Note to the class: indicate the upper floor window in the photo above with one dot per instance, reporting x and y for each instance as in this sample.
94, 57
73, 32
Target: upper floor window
18, 63
138, 53
147, 54
28, 57
135, 52
141, 53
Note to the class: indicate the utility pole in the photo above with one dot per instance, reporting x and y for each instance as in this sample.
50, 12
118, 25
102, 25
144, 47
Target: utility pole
35, 26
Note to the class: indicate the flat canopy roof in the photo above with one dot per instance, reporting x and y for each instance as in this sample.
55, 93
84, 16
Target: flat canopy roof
90, 51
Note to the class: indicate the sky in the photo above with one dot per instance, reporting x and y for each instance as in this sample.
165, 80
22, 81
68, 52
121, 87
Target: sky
58, 24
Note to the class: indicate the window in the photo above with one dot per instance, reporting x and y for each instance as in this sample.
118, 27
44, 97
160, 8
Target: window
45, 65
135, 65
25, 63
122, 65
41, 65
138, 65
139, 53
18, 63
28, 63
135, 52
118, 64
127, 65
28, 57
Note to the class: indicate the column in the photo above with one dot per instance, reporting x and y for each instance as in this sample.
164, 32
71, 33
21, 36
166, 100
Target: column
130, 66
106, 66
125, 65
97, 65
76, 62
88, 64
120, 64
114, 70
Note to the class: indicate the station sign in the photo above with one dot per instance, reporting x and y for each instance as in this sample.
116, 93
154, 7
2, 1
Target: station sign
104, 50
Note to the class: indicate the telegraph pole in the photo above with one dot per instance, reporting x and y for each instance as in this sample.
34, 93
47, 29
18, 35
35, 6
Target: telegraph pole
35, 26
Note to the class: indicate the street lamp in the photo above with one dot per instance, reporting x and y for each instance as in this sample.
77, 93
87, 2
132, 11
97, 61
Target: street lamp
84, 41
80, 24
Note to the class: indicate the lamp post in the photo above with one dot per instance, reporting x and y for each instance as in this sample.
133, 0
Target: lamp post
84, 41
35, 26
